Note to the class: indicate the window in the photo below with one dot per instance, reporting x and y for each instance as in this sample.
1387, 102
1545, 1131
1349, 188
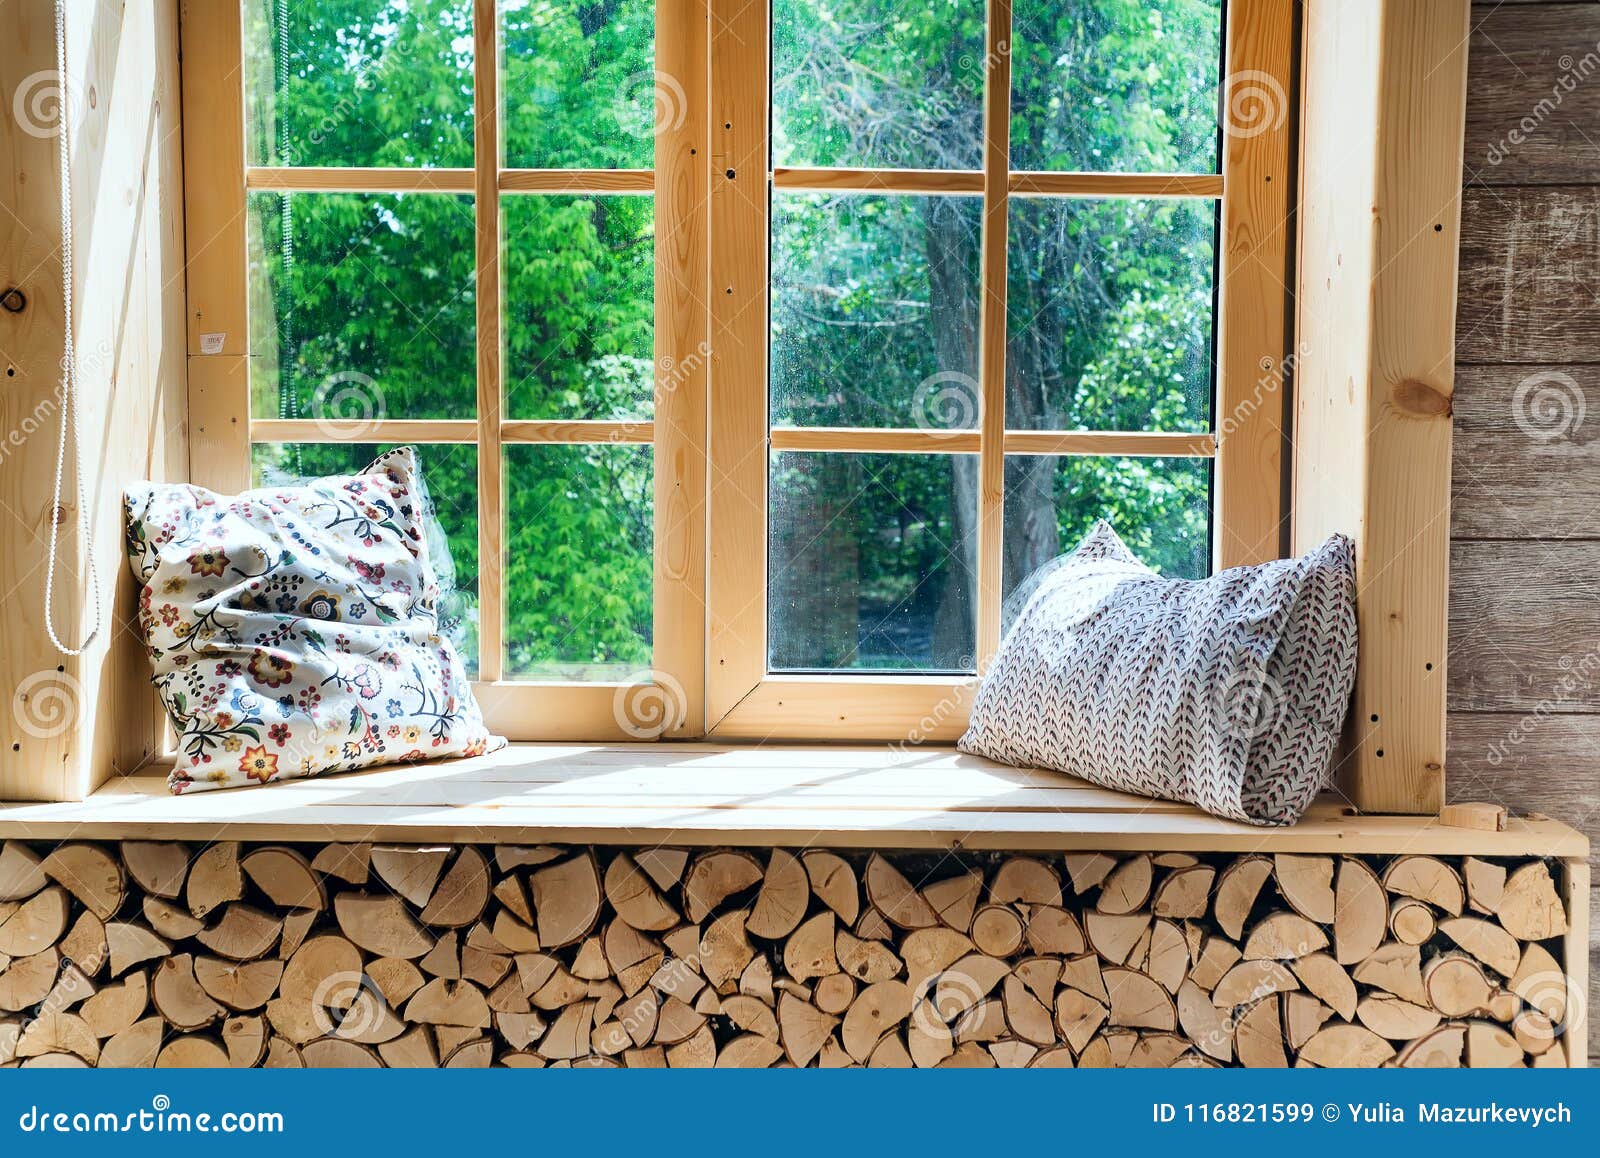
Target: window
757, 353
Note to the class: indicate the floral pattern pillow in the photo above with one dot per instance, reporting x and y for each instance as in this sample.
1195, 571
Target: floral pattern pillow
294, 630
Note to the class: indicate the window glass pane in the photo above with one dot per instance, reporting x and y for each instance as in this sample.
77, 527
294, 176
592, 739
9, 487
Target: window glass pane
1109, 314
579, 276
875, 307
871, 562
1116, 85
362, 306
877, 84
578, 561
451, 476
578, 85
1160, 506
385, 83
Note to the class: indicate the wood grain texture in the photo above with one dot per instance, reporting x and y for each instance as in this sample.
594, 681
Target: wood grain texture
1534, 113
1525, 626
67, 724
1529, 277
1526, 457
1386, 92
487, 155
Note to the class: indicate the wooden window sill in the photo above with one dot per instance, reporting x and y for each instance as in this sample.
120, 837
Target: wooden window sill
700, 794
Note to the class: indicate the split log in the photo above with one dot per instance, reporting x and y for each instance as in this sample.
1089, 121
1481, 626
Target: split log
834, 883
1250, 981
1541, 983
1486, 941
1258, 1036
1303, 1016
20, 874
876, 1010
713, 878
410, 871
1344, 1046
245, 1040
967, 982
35, 924
1167, 960
461, 897
130, 945
27, 981
1361, 912
1306, 882
1203, 1023
158, 867
1053, 930
1444, 1048
286, 877
802, 1028
135, 1047
1184, 894
1427, 879
1113, 936
566, 900
928, 952
635, 898
1489, 1046
444, 1002
997, 930
214, 878
1088, 869
1284, 937
1138, 1001
894, 898
169, 920
867, 961
810, 952
89, 873
725, 950
351, 863
1027, 1015
178, 997
1395, 1019
242, 986
244, 933
1328, 981
381, 924
1396, 968
1486, 883
781, 903
1530, 908
1237, 889
117, 1007
1216, 957
332, 1053
1127, 888
1024, 879
955, 899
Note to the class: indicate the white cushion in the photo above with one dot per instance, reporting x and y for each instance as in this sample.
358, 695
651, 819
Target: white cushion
1228, 693
294, 630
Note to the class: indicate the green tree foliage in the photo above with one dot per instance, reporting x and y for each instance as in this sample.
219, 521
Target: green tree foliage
365, 305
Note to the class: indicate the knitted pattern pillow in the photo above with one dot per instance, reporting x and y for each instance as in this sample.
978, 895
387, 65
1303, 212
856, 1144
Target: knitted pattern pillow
294, 630
1228, 693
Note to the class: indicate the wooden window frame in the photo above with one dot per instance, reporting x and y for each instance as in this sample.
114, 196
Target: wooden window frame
744, 701
710, 433
667, 700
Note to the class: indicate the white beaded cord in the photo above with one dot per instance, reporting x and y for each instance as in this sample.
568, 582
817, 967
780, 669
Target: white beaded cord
69, 377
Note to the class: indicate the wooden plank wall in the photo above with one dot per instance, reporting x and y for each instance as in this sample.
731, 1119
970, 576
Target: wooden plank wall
67, 724
1524, 725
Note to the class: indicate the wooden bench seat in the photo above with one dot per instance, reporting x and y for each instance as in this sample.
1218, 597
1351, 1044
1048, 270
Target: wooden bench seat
845, 797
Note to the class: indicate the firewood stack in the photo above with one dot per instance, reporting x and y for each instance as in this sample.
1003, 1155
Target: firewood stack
366, 955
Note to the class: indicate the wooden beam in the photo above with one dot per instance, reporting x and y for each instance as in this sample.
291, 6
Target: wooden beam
486, 207
1253, 291
992, 328
1380, 196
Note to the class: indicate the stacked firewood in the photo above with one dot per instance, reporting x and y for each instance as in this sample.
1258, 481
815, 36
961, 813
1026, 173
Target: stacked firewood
146, 953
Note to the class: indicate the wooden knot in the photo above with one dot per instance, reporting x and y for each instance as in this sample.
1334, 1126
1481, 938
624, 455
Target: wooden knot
1421, 400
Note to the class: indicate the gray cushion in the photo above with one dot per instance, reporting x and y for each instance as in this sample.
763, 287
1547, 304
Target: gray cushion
1228, 693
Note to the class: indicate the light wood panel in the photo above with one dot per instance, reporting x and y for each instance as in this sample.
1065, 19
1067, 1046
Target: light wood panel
1385, 98
598, 181
217, 252
447, 430
68, 723
1122, 184
992, 329
339, 179
839, 796
486, 227
682, 354
736, 658
1253, 293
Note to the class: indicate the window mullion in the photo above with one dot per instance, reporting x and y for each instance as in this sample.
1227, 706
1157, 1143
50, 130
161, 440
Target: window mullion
992, 327
486, 209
